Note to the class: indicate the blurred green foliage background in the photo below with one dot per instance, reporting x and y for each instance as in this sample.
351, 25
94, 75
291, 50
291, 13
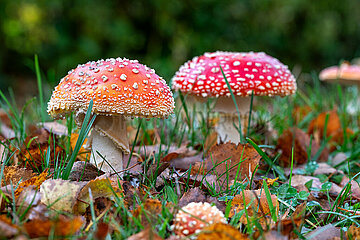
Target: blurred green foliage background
312, 34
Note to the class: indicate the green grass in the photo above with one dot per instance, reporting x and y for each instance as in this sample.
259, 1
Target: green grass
191, 125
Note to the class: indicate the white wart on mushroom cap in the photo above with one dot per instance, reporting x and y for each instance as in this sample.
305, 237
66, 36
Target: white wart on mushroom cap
245, 72
119, 88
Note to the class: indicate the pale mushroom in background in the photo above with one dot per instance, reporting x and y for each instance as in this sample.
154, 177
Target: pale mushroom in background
245, 72
345, 74
119, 88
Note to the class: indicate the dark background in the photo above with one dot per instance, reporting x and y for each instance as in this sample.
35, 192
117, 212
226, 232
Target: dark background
307, 34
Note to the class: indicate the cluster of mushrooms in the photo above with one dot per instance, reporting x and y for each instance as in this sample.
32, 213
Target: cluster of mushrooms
121, 88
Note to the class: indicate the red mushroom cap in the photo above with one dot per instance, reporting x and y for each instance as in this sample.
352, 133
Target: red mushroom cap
195, 216
245, 72
346, 73
117, 87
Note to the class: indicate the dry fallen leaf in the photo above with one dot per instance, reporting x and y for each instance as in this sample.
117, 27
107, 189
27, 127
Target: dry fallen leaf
327, 232
7, 229
62, 227
295, 221
84, 171
301, 144
317, 125
300, 112
35, 181
14, 174
35, 147
149, 211
333, 129
298, 182
355, 186
353, 232
274, 235
60, 194
221, 231
210, 141
146, 234
102, 186
196, 195
102, 230
257, 206
27, 199
225, 159
83, 154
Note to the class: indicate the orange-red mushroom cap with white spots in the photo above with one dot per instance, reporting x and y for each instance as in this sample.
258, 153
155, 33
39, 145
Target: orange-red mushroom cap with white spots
116, 86
245, 72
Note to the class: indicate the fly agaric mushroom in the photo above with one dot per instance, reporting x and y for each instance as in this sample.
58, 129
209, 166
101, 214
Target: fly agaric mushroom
119, 88
195, 216
345, 74
245, 72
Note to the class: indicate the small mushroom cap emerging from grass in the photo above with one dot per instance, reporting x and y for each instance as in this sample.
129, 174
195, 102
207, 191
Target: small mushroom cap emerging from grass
195, 216
119, 88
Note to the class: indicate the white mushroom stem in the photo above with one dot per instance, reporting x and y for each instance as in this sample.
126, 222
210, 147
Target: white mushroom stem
228, 117
109, 138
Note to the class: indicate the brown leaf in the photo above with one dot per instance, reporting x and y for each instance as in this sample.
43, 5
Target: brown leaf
353, 232
27, 199
221, 231
298, 182
4, 118
184, 163
102, 230
323, 168
62, 227
327, 232
102, 186
210, 141
301, 144
165, 162
287, 226
300, 112
33, 152
317, 125
133, 195
35, 181
192, 195
334, 128
274, 235
15, 174
83, 154
84, 171
226, 158
149, 211
257, 206
7, 229
146, 234
196, 195
355, 186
